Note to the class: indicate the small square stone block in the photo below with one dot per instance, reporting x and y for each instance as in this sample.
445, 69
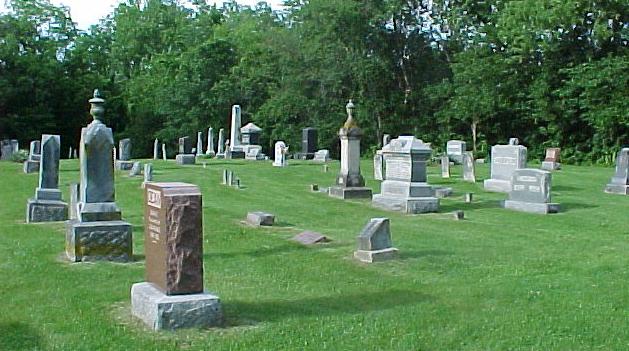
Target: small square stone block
314, 187
260, 218
162, 312
106, 240
124, 165
46, 211
441, 192
376, 255
185, 159
458, 215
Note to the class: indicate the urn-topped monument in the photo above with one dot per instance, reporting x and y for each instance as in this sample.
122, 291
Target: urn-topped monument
350, 184
98, 232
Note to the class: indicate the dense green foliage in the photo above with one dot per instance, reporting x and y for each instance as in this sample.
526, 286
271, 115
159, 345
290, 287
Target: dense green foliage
553, 73
498, 280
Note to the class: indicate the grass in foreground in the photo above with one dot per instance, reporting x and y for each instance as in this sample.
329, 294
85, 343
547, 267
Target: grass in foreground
498, 280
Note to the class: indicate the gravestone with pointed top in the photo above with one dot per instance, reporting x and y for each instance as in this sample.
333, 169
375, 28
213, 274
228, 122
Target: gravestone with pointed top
210, 143
405, 187
235, 146
220, 153
47, 205
99, 232
374, 242
199, 150
32, 164
350, 184
619, 183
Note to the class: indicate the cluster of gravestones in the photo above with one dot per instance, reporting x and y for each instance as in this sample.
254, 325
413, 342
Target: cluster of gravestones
173, 295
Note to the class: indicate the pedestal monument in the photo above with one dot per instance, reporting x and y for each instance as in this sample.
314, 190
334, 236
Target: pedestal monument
99, 232
235, 146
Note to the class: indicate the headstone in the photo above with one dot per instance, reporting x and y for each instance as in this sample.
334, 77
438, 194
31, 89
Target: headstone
98, 232
469, 198
505, 159
350, 184
254, 153
124, 157
445, 166
530, 192
75, 153
185, 155
74, 200
210, 143
378, 166
148, 174
322, 156
7, 148
469, 168
164, 155
230, 177
225, 177
260, 219
70, 153
386, 139
325, 168
32, 164
619, 183
314, 187
221, 144
442, 191
250, 134
47, 205
374, 242
514, 141
228, 151
308, 143
552, 160
156, 149
458, 215
173, 296
405, 187
136, 169
310, 238
235, 146
455, 150
281, 151
199, 150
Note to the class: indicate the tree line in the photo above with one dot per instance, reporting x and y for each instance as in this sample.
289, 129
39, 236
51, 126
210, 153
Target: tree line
552, 73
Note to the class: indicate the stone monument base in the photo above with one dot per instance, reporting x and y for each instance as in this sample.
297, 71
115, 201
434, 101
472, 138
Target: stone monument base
186, 159
531, 207
349, 192
617, 189
46, 211
497, 185
550, 166
408, 205
162, 312
106, 240
376, 255
442, 192
31, 167
124, 165
237, 155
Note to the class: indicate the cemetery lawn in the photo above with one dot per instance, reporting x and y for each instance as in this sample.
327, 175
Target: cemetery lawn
499, 280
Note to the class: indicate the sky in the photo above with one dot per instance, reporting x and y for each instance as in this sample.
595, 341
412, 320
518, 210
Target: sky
88, 12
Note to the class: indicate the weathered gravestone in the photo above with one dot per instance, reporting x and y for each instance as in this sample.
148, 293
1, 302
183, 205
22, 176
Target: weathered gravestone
530, 192
350, 184
47, 205
378, 166
185, 155
445, 166
221, 144
8, 148
259, 218
505, 159
148, 174
322, 156
199, 150
99, 232
136, 169
310, 238
455, 150
210, 151
172, 296
164, 155
469, 167
124, 162
619, 183
552, 160
156, 149
32, 164
235, 145
74, 200
281, 151
374, 242
405, 186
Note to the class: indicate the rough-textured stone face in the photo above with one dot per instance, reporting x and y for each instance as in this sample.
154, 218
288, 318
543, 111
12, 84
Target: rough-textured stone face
469, 168
124, 148
174, 237
530, 185
6, 150
148, 172
111, 241
376, 235
49, 164
97, 165
46, 211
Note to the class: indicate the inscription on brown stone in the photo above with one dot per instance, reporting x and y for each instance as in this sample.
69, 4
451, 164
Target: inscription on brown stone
173, 238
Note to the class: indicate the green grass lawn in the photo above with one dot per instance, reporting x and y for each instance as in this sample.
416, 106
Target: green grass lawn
499, 280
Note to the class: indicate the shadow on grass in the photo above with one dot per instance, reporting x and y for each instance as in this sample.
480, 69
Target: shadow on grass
405, 255
569, 206
274, 310
19, 336
565, 188
259, 252
475, 205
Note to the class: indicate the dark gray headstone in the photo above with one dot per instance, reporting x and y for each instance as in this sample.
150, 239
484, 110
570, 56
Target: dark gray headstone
260, 218
136, 169
376, 235
309, 141
34, 150
185, 145
124, 149
47, 205
530, 192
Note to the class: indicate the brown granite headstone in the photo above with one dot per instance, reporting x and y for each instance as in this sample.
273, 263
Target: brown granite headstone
553, 154
173, 237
